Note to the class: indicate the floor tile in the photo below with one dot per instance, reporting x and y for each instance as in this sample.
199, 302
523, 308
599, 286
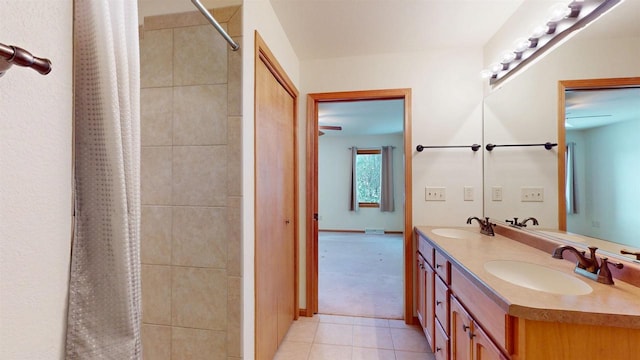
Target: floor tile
362, 321
372, 354
372, 337
330, 352
408, 355
336, 319
293, 351
334, 334
302, 331
409, 340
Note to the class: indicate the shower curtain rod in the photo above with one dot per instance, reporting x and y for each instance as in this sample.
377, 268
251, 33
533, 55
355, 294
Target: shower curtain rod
212, 20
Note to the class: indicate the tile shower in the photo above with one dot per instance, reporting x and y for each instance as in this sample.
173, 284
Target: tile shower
191, 187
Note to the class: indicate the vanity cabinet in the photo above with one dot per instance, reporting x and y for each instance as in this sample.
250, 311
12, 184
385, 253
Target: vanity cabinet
465, 318
450, 329
468, 340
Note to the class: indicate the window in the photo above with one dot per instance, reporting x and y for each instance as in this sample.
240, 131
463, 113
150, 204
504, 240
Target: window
368, 177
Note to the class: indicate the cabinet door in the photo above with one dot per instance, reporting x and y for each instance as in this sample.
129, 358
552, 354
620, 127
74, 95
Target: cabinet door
461, 332
483, 347
421, 287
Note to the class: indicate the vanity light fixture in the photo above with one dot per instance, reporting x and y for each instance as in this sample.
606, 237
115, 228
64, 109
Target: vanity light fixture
564, 19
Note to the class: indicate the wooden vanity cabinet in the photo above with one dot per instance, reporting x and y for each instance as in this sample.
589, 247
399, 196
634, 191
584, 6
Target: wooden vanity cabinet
468, 340
425, 299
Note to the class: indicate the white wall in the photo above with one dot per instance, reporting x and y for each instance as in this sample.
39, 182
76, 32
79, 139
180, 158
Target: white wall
35, 181
334, 171
161, 7
611, 173
525, 110
258, 15
446, 110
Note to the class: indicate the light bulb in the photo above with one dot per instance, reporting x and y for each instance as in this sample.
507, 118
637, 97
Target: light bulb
495, 68
539, 31
521, 45
559, 12
486, 73
508, 56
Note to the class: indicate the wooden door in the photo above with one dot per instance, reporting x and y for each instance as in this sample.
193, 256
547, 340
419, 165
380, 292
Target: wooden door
275, 204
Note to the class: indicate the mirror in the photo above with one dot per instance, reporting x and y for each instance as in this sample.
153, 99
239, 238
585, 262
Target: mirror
525, 111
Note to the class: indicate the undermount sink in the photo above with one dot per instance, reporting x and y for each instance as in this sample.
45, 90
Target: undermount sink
564, 236
456, 233
537, 277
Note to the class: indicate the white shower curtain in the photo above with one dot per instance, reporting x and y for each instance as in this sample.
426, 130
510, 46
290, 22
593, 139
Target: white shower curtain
104, 291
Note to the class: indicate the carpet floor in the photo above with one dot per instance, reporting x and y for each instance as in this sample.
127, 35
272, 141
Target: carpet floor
360, 275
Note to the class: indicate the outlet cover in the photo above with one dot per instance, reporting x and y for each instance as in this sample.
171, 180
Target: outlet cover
468, 193
532, 194
496, 193
432, 193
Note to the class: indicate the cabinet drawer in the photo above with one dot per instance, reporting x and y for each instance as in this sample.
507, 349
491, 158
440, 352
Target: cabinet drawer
426, 249
441, 351
442, 267
442, 304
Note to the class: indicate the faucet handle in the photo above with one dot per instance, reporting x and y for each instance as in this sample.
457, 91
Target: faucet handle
604, 275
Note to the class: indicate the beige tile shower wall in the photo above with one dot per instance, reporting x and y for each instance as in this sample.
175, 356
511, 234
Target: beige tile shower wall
191, 187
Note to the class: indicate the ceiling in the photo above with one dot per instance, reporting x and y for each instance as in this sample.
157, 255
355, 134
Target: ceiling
319, 29
370, 117
592, 108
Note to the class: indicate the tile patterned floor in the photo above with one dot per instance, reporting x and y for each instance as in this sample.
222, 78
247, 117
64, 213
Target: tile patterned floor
332, 337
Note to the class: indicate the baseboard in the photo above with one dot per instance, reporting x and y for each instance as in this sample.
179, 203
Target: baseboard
305, 313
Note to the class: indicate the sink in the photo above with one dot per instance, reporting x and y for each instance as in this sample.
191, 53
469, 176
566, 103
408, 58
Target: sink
564, 236
456, 233
537, 277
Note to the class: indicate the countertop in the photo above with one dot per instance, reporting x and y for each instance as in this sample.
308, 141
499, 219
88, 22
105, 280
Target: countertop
609, 305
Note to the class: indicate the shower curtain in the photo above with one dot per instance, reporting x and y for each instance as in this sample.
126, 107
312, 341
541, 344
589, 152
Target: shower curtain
104, 310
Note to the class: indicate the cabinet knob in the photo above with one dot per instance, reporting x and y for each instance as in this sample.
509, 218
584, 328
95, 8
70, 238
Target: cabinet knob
438, 349
438, 303
438, 266
465, 327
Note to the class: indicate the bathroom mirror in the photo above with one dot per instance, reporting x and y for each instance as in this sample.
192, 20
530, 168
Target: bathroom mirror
525, 110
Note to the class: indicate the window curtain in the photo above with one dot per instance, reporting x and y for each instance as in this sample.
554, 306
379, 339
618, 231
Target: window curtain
570, 180
353, 182
104, 311
386, 185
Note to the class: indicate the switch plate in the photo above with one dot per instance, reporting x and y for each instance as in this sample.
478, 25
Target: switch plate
496, 193
532, 194
433, 193
468, 193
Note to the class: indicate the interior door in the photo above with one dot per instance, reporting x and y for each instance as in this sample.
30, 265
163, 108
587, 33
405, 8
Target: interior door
275, 204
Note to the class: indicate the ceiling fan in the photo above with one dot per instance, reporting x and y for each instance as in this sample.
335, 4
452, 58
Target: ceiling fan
327, 127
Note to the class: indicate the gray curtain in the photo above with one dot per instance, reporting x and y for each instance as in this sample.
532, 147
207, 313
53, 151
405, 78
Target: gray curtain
104, 315
386, 185
570, 181
353, 182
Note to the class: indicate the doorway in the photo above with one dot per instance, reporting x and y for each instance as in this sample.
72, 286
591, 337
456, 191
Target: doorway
312, 250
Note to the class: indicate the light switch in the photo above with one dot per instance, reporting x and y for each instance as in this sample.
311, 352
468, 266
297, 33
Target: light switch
468, 193
496, 193
532, 194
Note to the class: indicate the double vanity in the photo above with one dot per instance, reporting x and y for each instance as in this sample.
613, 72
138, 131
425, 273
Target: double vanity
506, 297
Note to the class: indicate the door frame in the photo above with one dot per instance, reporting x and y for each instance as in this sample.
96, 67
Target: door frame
312, 191
582, 84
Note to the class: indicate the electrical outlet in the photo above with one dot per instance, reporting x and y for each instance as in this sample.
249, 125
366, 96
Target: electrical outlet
432, 193
496, 193
468, 193
532, 194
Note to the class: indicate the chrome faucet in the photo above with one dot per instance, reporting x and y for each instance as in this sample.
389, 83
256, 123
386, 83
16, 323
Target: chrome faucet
486, 227
588, 266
